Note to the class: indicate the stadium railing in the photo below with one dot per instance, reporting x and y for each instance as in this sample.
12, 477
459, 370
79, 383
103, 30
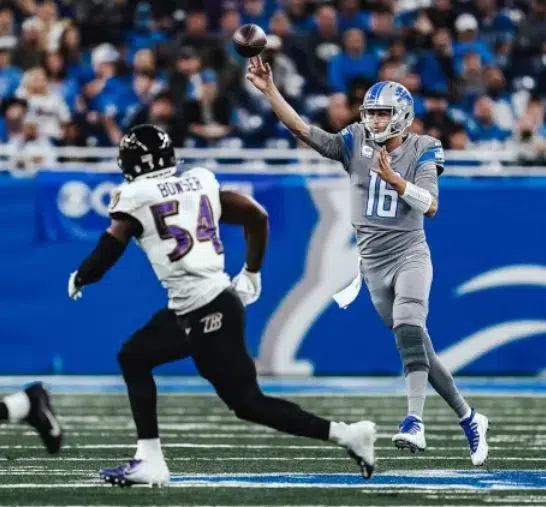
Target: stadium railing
511, 162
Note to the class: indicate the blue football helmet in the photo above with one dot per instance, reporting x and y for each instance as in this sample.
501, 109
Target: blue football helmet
387, 96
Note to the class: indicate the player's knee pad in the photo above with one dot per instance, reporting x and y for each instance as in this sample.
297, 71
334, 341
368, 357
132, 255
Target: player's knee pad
410, 341
410, 311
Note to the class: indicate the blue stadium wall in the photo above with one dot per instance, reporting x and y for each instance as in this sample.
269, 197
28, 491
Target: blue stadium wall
488, 302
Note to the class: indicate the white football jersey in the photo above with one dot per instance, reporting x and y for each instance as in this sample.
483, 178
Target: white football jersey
179, 215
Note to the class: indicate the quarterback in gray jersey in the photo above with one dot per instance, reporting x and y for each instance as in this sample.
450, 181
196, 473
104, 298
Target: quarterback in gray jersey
394, 185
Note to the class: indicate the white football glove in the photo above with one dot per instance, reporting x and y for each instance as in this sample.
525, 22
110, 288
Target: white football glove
248, 286
74, 291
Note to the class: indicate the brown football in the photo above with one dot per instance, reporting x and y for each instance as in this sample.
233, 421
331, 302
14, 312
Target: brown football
249, 40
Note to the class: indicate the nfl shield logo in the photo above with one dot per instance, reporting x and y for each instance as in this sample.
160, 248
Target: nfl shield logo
367, 151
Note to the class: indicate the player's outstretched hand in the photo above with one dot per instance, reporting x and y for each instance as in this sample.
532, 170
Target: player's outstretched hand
74, 291
259, 74
248, 286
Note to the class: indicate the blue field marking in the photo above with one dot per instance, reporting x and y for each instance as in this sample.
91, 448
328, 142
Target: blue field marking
425, 479
312, 386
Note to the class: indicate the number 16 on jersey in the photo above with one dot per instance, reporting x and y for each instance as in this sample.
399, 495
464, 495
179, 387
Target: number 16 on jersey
382, 201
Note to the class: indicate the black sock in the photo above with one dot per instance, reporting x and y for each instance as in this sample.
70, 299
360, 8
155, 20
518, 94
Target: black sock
142, 396
3, 411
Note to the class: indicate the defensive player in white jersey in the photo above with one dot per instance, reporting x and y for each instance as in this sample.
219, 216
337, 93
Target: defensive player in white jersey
175, 217
393, 184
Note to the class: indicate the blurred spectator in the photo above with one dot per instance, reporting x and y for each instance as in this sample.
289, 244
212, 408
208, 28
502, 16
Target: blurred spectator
353, 62
229, 22
144, 34
10, 76
297, 15
59, 82
457, 139
531, 34
503, 109
31, 48
391, 71
468, 41
45, 107
144, 62
536, 68
280, 25
30, 150
419, 32
185, 81
472, 82
482, 129
322, 45
162, 112
197, 36
255, 11
436, 120
357, 92
48, 13
531, 134
350, 16
71, 51
232, 64
209, 118
494, 23
436, 67
13, 114
102, 20
7, 24
104, 59
441, 15
73, 135
382, 31
336, 116
114, 59
503, 53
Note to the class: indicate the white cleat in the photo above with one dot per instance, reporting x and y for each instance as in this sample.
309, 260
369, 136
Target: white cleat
475, 428
411, 435
137, 471
360, 446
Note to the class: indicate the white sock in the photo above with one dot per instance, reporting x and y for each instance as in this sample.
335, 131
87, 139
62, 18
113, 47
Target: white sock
338, 432
149, 449
18, 406
467, 415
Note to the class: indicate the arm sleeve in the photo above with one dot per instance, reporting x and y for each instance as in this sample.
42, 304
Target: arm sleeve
427, 178
335, 146
106, 253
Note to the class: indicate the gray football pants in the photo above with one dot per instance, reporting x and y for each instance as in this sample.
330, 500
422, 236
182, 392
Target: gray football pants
400, 289
400, 293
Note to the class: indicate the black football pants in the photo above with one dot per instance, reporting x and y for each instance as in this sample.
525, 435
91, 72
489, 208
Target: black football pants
214, 337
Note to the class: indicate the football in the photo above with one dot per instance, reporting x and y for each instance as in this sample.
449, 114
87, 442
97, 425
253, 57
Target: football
249, 40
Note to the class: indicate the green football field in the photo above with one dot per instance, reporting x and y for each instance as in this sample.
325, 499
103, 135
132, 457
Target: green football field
218, 460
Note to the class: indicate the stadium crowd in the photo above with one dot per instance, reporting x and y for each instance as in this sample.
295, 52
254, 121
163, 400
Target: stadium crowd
80, 72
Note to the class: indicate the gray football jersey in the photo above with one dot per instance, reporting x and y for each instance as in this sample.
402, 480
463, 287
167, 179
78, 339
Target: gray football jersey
385, 225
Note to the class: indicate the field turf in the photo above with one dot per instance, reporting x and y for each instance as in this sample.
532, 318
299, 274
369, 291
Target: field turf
218, 460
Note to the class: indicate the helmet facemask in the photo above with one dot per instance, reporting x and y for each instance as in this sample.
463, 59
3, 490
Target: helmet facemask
400, 120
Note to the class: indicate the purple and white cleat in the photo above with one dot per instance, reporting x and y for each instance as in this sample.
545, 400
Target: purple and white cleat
137, 471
